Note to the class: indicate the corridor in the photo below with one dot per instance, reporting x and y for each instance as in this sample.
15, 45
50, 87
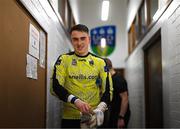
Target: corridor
141, 37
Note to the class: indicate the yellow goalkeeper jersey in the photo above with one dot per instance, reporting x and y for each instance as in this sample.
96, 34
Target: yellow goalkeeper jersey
85, 77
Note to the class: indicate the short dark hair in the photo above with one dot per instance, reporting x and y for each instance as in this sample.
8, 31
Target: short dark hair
108, 63
80, 27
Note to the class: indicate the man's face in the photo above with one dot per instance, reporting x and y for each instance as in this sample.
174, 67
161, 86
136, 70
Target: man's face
80, 42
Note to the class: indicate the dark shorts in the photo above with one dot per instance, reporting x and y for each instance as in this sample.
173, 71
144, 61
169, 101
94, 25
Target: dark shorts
70, 123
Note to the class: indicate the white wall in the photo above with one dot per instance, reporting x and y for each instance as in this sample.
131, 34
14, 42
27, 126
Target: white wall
58, 43
170, 71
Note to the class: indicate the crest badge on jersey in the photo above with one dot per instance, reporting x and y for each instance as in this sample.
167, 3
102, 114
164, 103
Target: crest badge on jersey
74, 62
103, 40
91, 62
58, 62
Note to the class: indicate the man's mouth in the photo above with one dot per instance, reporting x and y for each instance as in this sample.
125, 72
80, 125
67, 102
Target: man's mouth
80, 47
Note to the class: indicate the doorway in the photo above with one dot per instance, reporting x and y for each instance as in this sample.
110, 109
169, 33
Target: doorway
153, 83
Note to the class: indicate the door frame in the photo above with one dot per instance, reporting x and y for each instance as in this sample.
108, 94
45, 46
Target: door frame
151, 42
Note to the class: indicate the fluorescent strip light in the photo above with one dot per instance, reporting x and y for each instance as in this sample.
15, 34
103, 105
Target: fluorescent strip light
105, 10
103, 42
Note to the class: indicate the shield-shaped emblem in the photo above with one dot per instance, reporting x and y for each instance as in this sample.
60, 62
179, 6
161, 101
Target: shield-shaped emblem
103, 40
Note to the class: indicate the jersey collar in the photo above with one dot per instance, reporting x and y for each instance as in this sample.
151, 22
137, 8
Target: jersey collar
82, 56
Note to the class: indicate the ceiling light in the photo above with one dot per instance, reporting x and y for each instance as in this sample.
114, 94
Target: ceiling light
105, 10
103, 42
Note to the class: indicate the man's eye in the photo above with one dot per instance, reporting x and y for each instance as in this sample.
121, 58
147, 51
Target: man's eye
83, 38
75, 40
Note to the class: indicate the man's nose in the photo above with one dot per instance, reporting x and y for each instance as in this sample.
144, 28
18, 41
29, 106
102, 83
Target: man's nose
79, 42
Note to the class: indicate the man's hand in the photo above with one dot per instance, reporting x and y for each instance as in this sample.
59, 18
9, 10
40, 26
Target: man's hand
93, 119
82, 106
89, 118
99, 111
99, 116
88, 121
102, 106
120, 123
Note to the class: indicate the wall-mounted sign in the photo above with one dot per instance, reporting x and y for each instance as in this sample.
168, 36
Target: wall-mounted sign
31, 67
33, 41
103, 40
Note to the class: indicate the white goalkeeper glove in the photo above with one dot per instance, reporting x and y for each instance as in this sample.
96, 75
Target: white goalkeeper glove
99, 117
95, 118
99, 111
102, 106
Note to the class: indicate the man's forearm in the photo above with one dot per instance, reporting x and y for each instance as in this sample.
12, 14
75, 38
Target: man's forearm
124, 104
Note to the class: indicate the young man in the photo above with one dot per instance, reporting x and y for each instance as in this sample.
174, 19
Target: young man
119, 111
76, 80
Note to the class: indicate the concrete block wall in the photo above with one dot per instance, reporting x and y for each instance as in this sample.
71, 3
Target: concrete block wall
168, 24
171, 33
135, 77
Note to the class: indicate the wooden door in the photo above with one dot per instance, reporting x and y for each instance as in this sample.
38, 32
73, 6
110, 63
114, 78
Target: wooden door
22, 100
153, 85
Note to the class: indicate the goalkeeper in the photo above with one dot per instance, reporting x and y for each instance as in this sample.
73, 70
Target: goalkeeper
82, 81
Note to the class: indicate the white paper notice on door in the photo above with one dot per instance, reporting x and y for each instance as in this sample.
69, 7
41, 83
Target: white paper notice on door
33, 41
42, 54
31, 67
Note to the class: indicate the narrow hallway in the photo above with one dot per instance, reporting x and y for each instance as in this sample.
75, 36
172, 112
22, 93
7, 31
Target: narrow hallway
142, 39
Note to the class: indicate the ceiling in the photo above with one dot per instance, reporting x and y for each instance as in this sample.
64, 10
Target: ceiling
89, 12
